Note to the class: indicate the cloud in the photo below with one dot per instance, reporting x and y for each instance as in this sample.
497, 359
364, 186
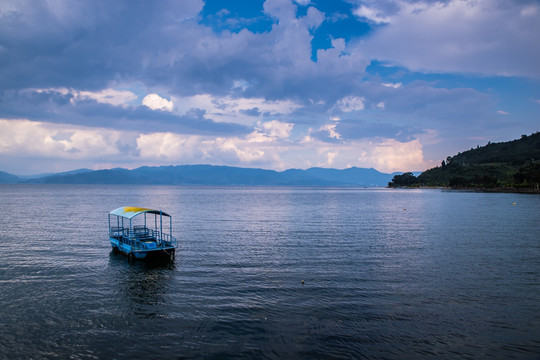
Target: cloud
492, 37
156, 102
270, 145
362, 129
169, 146
267, 96
385, 154
420, 104
331, 129
66, 106
163, 47
350, 103
107, 96
84, 45
251, 112
37, 139
392, 85
238, 110
391, 154
370, 14
270, 131
277, 129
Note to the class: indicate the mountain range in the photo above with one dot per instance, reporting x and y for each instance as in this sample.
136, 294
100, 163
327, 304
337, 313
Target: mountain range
209, 175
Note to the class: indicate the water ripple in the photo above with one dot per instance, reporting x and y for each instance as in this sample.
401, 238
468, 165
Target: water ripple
272, 273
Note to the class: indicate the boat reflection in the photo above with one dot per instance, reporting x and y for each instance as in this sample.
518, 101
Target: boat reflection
145, 286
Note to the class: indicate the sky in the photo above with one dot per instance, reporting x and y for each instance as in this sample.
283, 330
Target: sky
395, 85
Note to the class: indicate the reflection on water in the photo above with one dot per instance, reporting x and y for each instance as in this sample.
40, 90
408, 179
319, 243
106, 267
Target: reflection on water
272, 273
143, 284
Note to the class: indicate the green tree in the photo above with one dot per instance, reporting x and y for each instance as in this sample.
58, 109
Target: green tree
406, 179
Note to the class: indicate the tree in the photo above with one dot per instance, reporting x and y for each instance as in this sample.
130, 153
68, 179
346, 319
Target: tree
406, 179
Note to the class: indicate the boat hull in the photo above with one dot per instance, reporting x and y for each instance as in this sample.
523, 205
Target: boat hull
138, 254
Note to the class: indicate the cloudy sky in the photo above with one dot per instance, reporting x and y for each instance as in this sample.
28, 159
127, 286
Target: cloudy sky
396, 85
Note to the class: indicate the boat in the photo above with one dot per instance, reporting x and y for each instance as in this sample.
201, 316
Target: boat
141, 233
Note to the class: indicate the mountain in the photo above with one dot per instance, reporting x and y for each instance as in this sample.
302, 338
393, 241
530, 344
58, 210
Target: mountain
216, 175
29, 177
511, 165
6, 178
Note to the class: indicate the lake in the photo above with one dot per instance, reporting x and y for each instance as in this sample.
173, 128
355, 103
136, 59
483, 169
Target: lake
272, 273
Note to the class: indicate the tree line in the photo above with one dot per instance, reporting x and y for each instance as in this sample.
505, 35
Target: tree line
508, 165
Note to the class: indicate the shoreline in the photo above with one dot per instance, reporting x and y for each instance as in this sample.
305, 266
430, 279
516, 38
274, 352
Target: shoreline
474, 189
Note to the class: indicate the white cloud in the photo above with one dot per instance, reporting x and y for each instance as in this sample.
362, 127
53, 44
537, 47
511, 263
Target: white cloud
169, 146
269, 146
106, 96
330, 157
313, 18
391, 155
332, 133
246, 154
156, 102
270, 131
351, 103
502, 112
233, 110
240, 84
370, 14
392, 85
38, 139
385, 155
277, 129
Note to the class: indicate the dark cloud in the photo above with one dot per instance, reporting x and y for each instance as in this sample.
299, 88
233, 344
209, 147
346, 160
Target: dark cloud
55, 107
51, 52
478, 37
252, 112
359, 129
84, 45
161, 44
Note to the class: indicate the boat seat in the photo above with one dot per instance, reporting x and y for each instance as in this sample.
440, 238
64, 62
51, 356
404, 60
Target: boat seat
140, 229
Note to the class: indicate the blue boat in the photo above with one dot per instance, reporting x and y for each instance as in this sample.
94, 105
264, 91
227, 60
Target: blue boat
141, 233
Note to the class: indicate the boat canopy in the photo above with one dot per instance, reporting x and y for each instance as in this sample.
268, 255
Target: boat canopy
130, 212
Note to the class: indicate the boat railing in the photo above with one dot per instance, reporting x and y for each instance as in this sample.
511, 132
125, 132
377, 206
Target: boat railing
169, 240
142, 238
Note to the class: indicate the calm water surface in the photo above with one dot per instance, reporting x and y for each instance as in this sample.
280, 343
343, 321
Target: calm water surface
388, 274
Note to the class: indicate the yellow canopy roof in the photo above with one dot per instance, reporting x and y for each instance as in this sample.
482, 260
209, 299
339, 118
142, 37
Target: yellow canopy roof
131, 211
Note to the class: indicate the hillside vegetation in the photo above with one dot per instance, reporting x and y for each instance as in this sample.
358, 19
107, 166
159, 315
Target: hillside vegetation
513, 165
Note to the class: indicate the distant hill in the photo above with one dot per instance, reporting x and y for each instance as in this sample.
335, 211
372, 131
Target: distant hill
6, 178
511, 165
38, 176
215, 175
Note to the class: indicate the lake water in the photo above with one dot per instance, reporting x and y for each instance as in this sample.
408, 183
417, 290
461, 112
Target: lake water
388, 274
